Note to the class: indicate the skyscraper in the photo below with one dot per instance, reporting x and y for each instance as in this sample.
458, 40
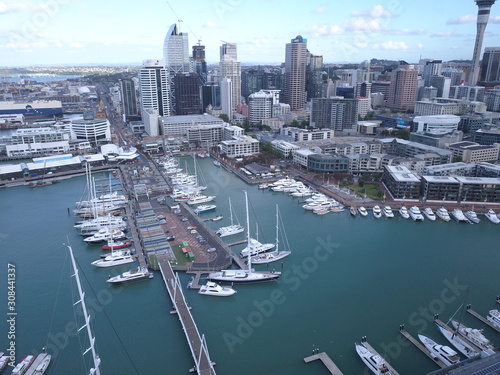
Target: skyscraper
226, 97
187, 87
200, 65
176, 57
402, 91
230, 50
129, 98
490, 65
336, 113
154, 83
231, 69
296, 56
483, 14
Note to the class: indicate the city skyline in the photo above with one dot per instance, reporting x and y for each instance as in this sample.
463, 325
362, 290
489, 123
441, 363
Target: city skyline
59, 32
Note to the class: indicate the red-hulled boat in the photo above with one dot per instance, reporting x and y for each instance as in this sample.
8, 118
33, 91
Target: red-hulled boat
112, 245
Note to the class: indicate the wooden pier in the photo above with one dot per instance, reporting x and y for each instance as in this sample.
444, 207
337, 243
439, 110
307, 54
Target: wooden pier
194, 283
323, 357
481, 318
197, 343
370, 348
417, 343
37, 362
237, 243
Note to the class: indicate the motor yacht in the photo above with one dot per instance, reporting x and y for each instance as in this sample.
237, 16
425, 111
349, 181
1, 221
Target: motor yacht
373, 361
138, 274
443, 214
444, 353
114, 259
429, 214
492, 216
403, 211
377, 212
362, 211
459, 216
494, 317
415, 214
472, 216
388, 212
214, 289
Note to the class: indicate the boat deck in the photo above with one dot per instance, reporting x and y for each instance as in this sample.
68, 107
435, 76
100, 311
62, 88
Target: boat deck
369, 347
481, 318
323, 357
419, 345
35, 364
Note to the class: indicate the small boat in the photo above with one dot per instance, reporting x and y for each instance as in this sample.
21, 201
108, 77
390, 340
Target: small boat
474, 336
116, 245
4, 359
444, 353
429, 214
216, 163
263, 186
40, 184
492, 216
377, 212
362, 211
472, 216
22, 366
337, 208
353, 210
388, 212
214, 289
204, 208
217, 218
373, 361
415, 214
41, 366
494, 317
443, 214
137, 274
321, 211
403, 211
459, 343
115, 259
459, 216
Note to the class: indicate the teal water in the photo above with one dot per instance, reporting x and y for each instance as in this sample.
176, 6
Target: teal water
346, 278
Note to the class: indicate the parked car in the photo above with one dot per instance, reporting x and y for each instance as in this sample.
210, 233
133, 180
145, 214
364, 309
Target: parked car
184, 219
211, 249
170, 238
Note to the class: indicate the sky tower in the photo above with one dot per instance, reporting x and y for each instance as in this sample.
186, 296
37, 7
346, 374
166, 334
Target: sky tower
483, 14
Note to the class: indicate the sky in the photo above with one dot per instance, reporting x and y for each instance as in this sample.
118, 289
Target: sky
81, 32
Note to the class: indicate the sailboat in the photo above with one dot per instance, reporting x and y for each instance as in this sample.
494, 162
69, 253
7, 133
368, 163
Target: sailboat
247, 275
97, 361
231, 229
275, 255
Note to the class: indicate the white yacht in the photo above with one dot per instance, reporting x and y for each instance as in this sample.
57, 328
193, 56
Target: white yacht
353, 211
255, 247
377, 212
131, 276
492, 216
231, 229
40, 365
444, 353
105, 234
415, 214
362, 211
388, 212
114, 259
101, 221
474, 336
403, 211
22, 366
373, 361
214, 289
443, 214
494, 317
204, 208
429, 214
459, 343
247, 275
472, 216
459, 216
200, 198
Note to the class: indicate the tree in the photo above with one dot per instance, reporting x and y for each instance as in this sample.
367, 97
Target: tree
403, 134
294, 124
224, 117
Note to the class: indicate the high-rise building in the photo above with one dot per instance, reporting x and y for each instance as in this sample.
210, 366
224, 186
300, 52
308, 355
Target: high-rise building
129, 97
188, 96
155, 88
431, 68
443, 85
315, 77
176, 57
199, 63
211, 95
483, 14
226, 97
490, 65
231, 69
260, 105
336, 113
402, 91
296, 56
229, 49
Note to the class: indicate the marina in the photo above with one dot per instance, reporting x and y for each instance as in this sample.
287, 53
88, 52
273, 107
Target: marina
422, 348
302, 295
482, 319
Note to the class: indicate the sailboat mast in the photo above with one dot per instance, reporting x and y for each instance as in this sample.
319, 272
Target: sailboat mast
248, 236
277, 230
95, 370
231, 211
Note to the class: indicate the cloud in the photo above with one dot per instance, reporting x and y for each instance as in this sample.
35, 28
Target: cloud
420, 45
211, 25
11, 7
326, 30
495, 19
446, 35
378, 11
390, 45
461, 20
319, 10
364, 24
76, 45
407, 32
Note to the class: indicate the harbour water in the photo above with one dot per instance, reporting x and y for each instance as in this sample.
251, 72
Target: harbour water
346, 278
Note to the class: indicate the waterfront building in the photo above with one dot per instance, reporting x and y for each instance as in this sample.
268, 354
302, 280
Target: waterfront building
205, 135
239, 147
327, 163
304, 135
181, 124
440, 188
451, 169
284, 147
479, 189
151, 121
296, 56
401, 147
231, 132
95, 131
301, 156
473, 152
402, 91
401, 183
154, 82
483, 15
